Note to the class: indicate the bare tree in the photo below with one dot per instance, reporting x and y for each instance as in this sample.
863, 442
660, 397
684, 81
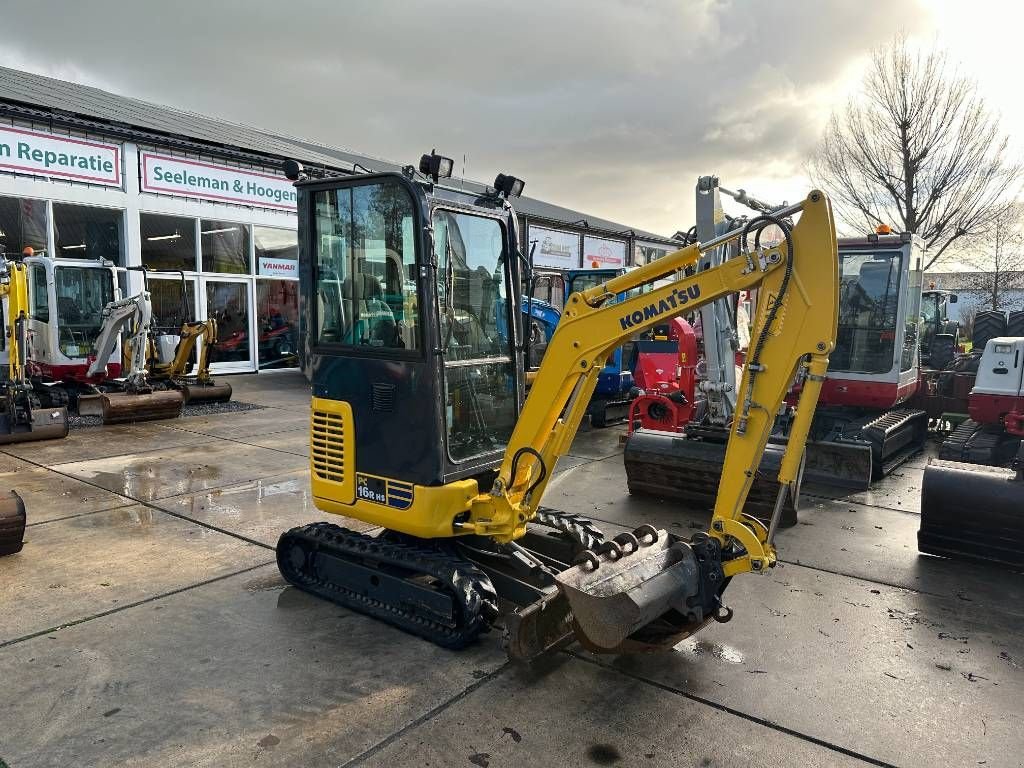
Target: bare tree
999, 260
919, 150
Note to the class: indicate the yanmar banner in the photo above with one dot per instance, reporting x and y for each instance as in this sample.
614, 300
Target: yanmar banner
190, 178
45, 154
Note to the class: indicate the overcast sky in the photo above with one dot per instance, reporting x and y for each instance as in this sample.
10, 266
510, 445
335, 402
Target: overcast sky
613, 108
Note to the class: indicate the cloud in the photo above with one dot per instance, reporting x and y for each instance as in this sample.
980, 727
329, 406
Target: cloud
610, 108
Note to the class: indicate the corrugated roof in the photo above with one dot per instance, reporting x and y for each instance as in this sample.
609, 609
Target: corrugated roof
83, 101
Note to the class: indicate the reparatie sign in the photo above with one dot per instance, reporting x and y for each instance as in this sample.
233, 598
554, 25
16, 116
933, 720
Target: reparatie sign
45, 154
190, 178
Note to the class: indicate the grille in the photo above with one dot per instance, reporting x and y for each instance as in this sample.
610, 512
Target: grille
383, 397
327, 446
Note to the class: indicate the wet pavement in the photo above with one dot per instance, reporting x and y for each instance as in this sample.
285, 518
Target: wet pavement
145, 624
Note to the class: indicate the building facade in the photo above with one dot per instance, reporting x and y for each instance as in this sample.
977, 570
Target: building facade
203, 207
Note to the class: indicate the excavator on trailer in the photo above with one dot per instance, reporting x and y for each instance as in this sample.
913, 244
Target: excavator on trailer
22, 417
418, 424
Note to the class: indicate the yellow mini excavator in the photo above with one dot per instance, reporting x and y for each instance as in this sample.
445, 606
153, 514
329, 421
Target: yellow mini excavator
22, 418
411, 316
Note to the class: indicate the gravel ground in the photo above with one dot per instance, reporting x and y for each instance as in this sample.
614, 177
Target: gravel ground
196, 409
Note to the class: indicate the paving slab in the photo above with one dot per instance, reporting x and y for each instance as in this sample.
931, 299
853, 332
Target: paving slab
577, 714
292, 441
49, 495
72, 569
598, 443
100, 442
260, 510
176, 471
900, 491
243, 425
905, 678
280, 389
237, 672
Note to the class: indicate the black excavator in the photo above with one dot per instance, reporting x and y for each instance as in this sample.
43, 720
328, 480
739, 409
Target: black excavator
419, 426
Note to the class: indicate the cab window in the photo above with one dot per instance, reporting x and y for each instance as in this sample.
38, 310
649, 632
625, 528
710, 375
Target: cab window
366, 267
40, 306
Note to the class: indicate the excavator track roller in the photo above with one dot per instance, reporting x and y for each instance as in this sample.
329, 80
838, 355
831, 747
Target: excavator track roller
122, 407
45, 424
972, 512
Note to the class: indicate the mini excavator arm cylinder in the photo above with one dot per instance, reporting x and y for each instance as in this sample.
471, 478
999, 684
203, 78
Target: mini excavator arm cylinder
794, 326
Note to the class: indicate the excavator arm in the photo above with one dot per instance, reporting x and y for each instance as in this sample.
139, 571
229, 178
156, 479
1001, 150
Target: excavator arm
135, 313
794, 328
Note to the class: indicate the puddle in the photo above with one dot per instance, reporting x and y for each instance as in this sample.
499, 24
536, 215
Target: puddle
269, 583
718, 650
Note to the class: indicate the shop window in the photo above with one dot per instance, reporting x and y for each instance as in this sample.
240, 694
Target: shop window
82, 232
225, 247
171, 306
168, 242
277, 318
23, 224
227, 302
277, 252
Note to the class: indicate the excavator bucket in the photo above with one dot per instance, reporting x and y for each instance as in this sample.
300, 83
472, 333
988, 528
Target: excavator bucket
12, 523
973, 512
195, 392
847, 465
672, 466
640, 592
121, 407
46, 424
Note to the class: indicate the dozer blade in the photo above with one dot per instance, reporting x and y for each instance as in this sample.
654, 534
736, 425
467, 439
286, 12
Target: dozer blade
643, 592
847, 465
121, 407
206, 393
676, 467
46, 424
972, 512
12, 523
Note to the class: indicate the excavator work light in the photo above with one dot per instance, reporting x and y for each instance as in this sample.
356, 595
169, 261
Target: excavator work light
509, 186
436, 166
293, 170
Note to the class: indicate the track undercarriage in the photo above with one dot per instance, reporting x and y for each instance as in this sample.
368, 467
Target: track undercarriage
538, 589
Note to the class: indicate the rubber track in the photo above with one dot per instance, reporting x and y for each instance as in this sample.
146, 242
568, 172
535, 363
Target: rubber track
476, 600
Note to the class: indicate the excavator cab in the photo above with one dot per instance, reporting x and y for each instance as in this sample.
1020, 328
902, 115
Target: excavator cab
413, 288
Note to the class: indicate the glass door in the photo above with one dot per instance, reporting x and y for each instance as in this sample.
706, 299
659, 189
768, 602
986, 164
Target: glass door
227, 301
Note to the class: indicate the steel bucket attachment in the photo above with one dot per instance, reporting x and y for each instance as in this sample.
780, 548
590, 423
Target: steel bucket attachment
847, 465
206, 393
46, 424
12, 523
972, 512
121, 407
644, 591
671, 466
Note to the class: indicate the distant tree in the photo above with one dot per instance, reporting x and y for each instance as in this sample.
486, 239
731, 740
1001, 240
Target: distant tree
918, 149
998, 259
